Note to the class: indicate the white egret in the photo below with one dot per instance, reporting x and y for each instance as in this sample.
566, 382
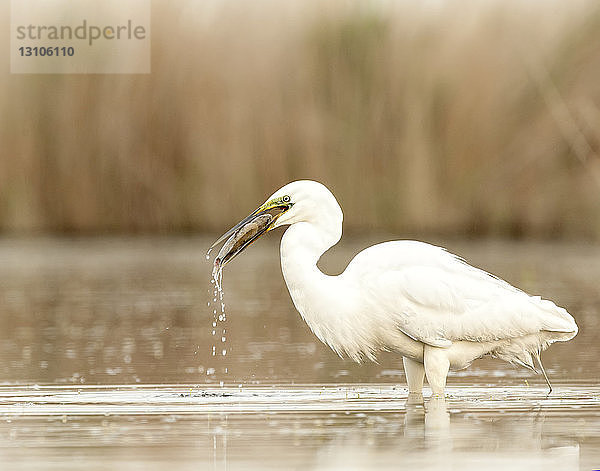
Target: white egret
408, 297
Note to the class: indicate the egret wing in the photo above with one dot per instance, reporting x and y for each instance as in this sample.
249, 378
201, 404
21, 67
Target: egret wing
436, 298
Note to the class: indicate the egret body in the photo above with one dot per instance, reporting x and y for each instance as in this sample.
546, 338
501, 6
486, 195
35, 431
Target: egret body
408, 297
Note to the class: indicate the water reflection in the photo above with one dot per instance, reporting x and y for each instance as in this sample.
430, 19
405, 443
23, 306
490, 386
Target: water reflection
350, 427
433, 438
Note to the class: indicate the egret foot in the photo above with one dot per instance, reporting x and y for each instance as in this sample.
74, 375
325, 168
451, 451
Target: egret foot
436, 364
414, 399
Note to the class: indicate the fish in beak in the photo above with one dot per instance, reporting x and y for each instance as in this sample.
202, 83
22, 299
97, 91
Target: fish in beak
245, 232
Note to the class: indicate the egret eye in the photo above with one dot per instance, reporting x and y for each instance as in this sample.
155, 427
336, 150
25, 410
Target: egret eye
286, 199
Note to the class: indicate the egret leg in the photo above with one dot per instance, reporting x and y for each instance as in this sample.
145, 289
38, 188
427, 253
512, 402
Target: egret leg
415, 374
437, 365
539, 360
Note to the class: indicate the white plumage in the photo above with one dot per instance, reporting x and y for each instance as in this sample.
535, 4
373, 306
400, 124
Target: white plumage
409, 297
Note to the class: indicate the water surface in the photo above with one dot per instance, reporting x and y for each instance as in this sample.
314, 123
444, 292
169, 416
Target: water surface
107, 361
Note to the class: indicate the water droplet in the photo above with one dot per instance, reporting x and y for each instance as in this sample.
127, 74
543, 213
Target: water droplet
218, 317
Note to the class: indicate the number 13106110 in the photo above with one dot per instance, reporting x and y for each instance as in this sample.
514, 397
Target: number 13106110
47, 51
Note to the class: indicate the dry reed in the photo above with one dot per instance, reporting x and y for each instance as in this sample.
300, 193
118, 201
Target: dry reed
450, 118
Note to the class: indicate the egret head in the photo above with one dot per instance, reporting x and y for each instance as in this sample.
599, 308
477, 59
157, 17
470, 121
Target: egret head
299, 201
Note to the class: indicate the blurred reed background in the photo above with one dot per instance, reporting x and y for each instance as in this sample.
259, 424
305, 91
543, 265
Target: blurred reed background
466, 118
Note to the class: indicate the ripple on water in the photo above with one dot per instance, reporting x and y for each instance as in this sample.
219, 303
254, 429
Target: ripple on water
89, 400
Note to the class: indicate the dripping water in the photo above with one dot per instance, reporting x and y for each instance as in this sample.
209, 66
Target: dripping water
219, 317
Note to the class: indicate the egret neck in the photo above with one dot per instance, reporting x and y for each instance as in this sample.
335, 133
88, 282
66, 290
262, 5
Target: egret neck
312, 291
